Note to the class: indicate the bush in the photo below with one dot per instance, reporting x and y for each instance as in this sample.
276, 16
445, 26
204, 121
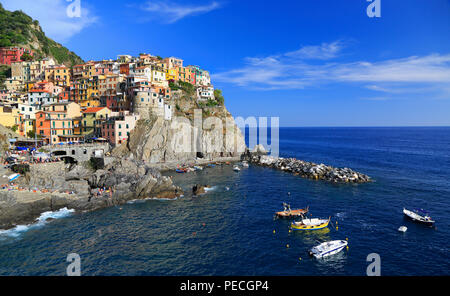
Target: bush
20, 168
211, 103
219, 97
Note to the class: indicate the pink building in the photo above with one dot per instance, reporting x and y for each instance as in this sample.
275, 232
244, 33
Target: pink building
117, 129
3, 94
10, 55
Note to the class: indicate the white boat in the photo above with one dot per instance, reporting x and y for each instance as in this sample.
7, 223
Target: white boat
416, 217
198, 168
236, 168
402, 228
245, 164
13, 177
328, 248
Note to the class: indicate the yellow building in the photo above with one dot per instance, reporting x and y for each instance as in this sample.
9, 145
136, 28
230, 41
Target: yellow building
59, 75
26, 125
9, 117
172, 74
92, 118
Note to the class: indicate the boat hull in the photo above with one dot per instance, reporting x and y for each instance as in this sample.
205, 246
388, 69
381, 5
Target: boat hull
417, 218
428, 223
292, 213
328, 252
309, 227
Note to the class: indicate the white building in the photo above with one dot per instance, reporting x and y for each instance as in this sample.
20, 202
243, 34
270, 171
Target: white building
205, 93
38, 98
28, 111
167, 112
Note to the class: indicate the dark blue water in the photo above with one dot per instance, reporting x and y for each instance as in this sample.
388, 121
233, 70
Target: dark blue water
231, 232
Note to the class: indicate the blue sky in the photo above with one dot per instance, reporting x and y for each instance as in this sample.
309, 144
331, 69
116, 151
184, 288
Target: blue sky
309, 62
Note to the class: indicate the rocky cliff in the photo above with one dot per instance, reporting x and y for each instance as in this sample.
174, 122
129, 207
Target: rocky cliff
196, 131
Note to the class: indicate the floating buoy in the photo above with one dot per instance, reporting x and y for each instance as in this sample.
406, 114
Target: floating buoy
290, 230
347, 247
337, 228
346, 238
274, 231
204, 224
287, 246
300, 258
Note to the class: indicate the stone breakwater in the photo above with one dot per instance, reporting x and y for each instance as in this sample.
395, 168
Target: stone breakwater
309, 169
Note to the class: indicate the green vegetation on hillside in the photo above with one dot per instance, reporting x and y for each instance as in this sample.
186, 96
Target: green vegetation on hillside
185, 86
5, 72
219, 97
18, 29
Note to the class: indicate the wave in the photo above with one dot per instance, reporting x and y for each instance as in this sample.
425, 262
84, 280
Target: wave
134, 201
40, 221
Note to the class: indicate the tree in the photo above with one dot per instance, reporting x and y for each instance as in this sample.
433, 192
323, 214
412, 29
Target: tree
31, 134
26, 57
219, 97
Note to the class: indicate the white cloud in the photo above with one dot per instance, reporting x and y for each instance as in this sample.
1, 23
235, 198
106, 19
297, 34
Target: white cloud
53, 17
324, 51
293, 71
170, 12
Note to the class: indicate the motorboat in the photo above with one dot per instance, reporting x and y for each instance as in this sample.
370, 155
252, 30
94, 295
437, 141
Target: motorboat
328, 248
420, 216
310, 224
289, 213
198, 168
236, 168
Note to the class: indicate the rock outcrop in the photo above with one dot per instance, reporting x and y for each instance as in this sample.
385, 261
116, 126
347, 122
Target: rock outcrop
52, 186
157, 140
307, 169
199, 189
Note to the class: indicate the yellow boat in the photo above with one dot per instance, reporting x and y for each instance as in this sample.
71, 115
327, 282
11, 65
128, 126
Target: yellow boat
310, 224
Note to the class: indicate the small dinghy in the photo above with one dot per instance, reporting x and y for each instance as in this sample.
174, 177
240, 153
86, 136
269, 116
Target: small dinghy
236, 168
328, 248
198, 168
180, 171
13, 177
310, 224
419, 216
289, 213
245, 164
402, 228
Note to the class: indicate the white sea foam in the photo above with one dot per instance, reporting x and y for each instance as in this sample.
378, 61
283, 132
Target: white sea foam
133, 201
40, 221
210, 189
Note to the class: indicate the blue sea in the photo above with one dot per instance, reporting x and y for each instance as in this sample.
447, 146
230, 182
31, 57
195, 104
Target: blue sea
231, 229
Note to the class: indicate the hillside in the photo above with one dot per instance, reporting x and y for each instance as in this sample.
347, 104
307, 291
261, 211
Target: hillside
5, 72
18, 29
